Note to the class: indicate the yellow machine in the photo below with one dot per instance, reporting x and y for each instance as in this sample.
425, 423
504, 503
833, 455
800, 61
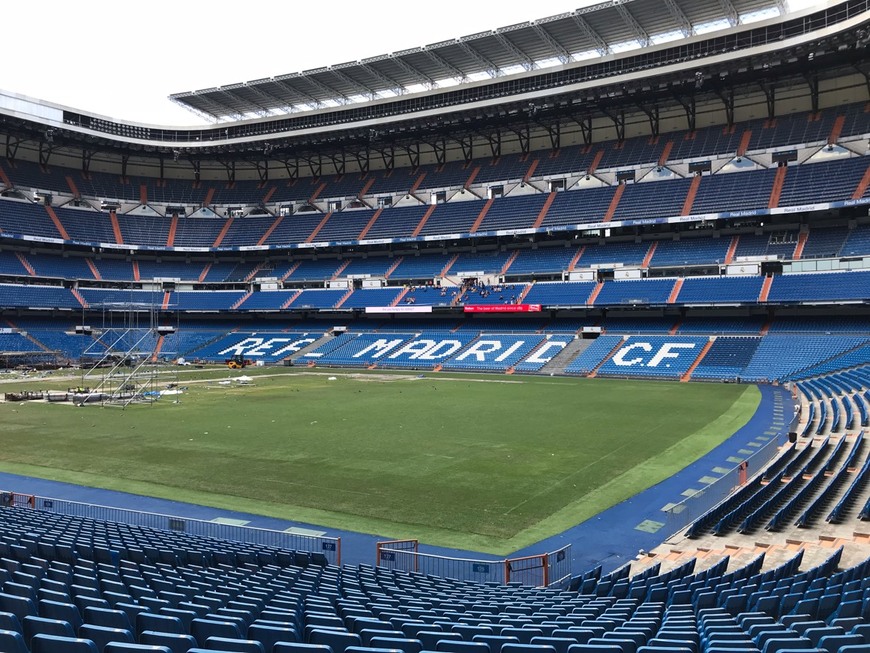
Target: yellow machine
237, 362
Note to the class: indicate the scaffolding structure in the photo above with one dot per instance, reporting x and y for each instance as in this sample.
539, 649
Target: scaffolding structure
119, 367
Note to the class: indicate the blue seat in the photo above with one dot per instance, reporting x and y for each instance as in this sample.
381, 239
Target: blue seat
107, 617
186, 616
461, 646
321, 619
159, 623
242, 617
429, 638
367, 649
468, 631
174, 642
579, 635
132, 609
101, 635
300, 647
269, 635
64, 611
776, 644
40, 626
234, 645
525, 635
833, 643
595, 648
123, 647
83, 602
9, 621
12, 641
528, 648
202, 629
625, 645
397, 643
816, 634
18, 605
43, 643
338, 641
368, 634
496, 642
863, 630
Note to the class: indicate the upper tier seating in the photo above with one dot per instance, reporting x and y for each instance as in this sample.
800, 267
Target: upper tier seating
719, 290
635, 291
832, 286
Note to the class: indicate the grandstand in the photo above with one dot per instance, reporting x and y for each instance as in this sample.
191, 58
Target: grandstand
684, 197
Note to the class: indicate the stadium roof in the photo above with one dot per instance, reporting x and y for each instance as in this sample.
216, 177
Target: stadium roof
604, 29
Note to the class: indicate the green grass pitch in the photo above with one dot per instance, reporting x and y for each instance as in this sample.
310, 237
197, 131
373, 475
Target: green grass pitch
488, 463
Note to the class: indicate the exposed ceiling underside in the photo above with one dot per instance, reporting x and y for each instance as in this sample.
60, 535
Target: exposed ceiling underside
606, 28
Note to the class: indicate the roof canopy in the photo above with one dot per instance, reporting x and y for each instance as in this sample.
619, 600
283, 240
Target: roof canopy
601, 30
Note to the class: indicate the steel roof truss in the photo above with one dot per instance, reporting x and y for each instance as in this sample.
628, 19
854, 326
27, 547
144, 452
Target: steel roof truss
443, 63
524, 60
373, 94
327, 90
305, 98
419, 77
485, 64
601, 45
389, 84
632, 24
681, 19
730, 12
558, 49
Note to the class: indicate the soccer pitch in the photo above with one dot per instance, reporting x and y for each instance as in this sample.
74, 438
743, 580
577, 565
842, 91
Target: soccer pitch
488, 463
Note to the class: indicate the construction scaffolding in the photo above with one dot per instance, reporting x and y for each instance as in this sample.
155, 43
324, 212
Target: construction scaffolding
120, 367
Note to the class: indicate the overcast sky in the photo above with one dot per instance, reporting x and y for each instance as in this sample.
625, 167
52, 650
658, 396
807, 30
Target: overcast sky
123, 59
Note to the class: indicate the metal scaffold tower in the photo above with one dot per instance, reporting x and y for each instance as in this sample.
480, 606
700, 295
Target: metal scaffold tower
120, 367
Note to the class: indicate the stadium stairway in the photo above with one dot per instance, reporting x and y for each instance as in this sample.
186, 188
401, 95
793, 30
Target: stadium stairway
560, 361
294, 358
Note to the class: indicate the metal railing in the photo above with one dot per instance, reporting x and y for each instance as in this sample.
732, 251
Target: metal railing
681, 514
542, 570
329, 547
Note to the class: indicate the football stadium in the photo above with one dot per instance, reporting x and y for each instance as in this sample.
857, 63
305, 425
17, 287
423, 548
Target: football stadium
552, 338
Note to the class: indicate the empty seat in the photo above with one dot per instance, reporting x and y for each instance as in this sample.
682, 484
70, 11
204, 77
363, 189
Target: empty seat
234, 645
54, 644
173, 642
39, 625
18, 605
64, 611
496, 642
101, 635
123, 647
12, 641
397, 643
299, 647
271, 634
528, 648
108, 618
159, 623
202, 629
338, 641
461, 646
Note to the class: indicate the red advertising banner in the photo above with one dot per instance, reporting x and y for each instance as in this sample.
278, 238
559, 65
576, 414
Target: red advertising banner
502, 308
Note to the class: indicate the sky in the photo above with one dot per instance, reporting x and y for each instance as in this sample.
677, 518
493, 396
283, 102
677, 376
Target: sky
123, 59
